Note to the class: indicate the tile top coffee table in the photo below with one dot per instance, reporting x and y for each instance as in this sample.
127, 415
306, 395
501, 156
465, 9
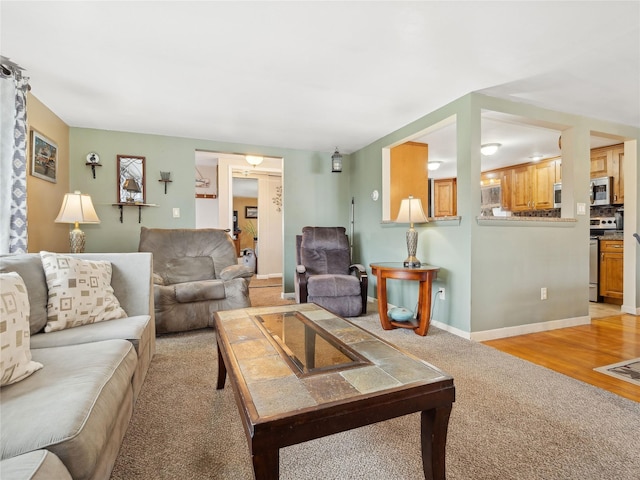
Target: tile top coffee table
300, 372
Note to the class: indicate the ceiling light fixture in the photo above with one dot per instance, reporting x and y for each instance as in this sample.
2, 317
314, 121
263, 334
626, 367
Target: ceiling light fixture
490, 148
254, 160
536, 157
434, 165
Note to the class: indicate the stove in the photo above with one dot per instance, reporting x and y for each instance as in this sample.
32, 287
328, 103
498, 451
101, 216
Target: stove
602, 223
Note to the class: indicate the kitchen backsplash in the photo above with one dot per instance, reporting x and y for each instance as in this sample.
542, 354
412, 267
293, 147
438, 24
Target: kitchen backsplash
598, 211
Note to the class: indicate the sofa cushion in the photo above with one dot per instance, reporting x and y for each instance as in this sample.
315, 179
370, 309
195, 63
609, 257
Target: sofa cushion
92, 384
188, 269
15, 354
29, 267
200, 291
80, 292
38, 465
129, 328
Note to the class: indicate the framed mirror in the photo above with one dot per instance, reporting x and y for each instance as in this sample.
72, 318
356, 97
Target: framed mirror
131, 179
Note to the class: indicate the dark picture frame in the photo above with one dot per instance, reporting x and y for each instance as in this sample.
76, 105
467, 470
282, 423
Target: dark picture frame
131, 167
44, 157
251, 212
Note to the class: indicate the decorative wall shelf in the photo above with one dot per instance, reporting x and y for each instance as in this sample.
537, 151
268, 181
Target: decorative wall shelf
139, 205
165, 184
93, 167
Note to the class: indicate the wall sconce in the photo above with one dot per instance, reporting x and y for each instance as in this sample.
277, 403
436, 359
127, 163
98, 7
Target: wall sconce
434, 165
253, 160
336, 162
77, 208
94, 160
131, 186
165, 177
489, 148
411, 212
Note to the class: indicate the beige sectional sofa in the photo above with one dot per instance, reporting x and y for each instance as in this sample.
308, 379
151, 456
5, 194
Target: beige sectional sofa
68, 419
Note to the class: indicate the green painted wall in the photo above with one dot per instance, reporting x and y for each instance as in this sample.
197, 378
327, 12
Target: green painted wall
493, 272
312, 194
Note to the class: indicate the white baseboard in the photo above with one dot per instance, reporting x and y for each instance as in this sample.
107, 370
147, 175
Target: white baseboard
529, 328
269, 275
288, 295
450, 329
630, 310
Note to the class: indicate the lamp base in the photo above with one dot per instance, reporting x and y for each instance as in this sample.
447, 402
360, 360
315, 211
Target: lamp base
76, 240
411, 262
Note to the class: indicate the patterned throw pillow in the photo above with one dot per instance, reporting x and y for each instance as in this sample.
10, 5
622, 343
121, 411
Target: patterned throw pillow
80, 292
15, 342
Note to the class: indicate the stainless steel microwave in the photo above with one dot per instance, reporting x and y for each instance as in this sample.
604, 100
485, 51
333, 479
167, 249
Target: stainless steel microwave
600, 191
557, 195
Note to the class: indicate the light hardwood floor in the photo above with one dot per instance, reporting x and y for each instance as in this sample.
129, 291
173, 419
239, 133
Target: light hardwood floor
576, 351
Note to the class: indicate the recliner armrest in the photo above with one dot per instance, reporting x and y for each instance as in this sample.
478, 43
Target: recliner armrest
358, 270
235, 271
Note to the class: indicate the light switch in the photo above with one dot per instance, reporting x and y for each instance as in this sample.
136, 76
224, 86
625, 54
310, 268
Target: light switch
176, 213
581, 208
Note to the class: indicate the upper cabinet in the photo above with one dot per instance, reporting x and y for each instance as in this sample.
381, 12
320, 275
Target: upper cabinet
608, 162
445, 196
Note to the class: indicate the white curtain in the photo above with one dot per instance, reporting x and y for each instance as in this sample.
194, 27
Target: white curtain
13, 161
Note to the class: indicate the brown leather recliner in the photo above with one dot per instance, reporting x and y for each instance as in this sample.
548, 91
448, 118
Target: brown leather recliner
195, 273
325, 274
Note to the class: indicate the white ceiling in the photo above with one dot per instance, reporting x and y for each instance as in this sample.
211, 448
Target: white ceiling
313, 75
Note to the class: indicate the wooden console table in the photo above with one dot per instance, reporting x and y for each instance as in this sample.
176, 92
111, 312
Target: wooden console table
395, 270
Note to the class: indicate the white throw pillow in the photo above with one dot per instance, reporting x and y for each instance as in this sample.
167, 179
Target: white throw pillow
15, 342
80, 292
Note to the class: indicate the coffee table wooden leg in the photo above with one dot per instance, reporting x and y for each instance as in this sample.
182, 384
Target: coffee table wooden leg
222, 371
434, 426
266, 465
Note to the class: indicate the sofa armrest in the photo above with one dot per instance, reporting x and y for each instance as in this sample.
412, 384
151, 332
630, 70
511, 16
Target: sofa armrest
300, 284
235, 271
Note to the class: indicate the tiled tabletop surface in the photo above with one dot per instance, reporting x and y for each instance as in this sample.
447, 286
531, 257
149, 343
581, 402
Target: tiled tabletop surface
276, 389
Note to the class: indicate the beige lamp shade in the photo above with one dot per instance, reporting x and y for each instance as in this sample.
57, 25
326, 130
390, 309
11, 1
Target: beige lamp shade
77, 208
411, 211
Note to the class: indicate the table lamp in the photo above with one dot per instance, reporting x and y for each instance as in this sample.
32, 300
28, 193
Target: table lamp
77, 208
131, 186
411, 212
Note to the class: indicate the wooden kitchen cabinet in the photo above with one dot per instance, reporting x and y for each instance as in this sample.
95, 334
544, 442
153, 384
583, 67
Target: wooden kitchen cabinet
445, 203
617, 172
609, 162
600, 160
506, 185
611, 268
533, 186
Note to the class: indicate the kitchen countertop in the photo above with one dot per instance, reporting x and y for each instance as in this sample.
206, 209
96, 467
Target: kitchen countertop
610, 236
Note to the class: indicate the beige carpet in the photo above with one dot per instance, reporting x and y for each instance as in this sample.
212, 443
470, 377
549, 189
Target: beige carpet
511, 420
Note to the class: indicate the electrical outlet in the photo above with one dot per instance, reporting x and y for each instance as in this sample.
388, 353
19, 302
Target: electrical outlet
543, 293
441, 293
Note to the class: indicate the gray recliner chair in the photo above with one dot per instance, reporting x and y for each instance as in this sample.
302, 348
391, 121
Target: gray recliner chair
325, 275
195, 273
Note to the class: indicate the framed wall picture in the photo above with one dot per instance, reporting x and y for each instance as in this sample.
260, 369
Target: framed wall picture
131, 181
251, 212
44, 157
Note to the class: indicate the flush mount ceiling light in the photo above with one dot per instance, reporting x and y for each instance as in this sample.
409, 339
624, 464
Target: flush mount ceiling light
489, 148
535, 157
253, 160
434, 165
